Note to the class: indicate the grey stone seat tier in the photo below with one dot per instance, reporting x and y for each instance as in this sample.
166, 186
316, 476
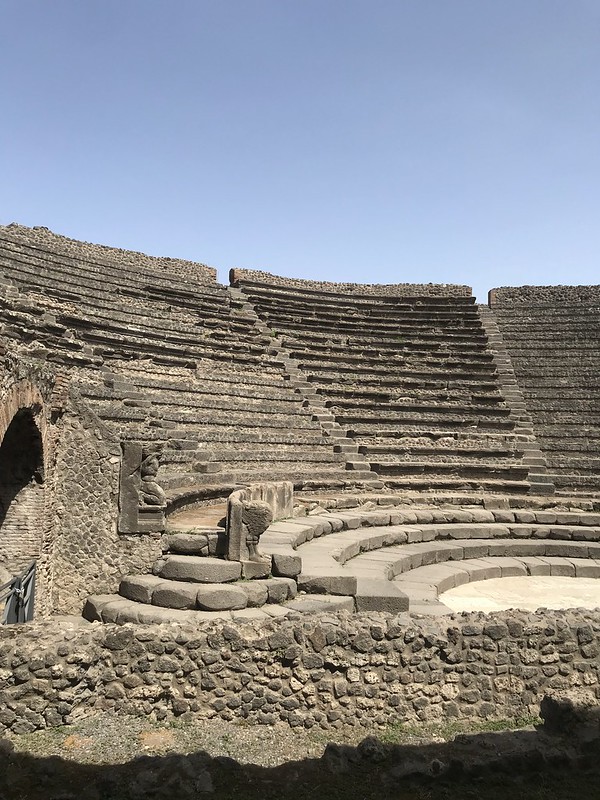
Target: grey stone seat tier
285, 539
120, 610
159, 590
101, 261
423, 585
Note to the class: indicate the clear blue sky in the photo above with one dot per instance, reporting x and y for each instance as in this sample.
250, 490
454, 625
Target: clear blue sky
362, 140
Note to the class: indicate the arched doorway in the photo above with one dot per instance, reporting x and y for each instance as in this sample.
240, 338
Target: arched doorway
21, 492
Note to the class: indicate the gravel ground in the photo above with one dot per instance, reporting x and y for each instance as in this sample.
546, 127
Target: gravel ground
109, 757
111, 739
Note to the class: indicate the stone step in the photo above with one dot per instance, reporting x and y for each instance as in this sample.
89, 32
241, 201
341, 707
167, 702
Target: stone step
116, 609
460, 469
200, 570
424, 585
380, 595
432, 482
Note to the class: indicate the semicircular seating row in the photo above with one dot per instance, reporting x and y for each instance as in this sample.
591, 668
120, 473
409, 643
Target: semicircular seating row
399, 560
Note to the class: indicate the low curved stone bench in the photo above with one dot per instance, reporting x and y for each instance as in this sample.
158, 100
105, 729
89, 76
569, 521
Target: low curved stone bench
423, 585
362, 563
283, 538
289, 534
347, 545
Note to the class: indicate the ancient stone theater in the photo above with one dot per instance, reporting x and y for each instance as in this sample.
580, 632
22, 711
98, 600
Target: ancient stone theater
251, 501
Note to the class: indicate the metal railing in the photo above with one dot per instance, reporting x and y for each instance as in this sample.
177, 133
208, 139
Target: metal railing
18, 596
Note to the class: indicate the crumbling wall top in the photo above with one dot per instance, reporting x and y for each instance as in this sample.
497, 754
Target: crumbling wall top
241, 276
539, 295
45, 239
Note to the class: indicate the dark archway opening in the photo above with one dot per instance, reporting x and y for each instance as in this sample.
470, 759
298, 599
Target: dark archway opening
21, 492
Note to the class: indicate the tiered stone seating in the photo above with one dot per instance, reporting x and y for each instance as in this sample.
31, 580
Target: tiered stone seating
164, 355
406, 372
221, 426
553, 336
402, 558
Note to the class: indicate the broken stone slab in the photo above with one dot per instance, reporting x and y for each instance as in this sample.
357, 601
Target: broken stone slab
186, 543
221, 597
200, 569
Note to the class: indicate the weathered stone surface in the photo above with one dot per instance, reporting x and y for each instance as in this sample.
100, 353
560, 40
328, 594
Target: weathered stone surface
201, 570
218, 597
286, 565
139, 587
382, 663
378, 595
255, 569
280, 589
175, 594
256, 591
186, 543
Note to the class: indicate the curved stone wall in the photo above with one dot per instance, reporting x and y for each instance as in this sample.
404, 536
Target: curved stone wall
527, 295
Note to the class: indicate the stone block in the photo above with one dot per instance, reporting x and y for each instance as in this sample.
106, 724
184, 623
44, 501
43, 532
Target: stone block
256, 592
561, 566
186, 543
92, 610
379, 595
535, 565
327, 583
139, 587
110, 610
280, 589
201, 570
586, 568
255, 569
221, 597
286, 565
175, 594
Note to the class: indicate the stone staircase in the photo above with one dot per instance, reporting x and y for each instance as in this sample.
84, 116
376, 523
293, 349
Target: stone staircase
192, 582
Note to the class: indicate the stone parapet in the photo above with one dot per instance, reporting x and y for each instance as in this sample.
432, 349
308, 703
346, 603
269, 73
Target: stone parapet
45, 239
241, 276
539, 295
